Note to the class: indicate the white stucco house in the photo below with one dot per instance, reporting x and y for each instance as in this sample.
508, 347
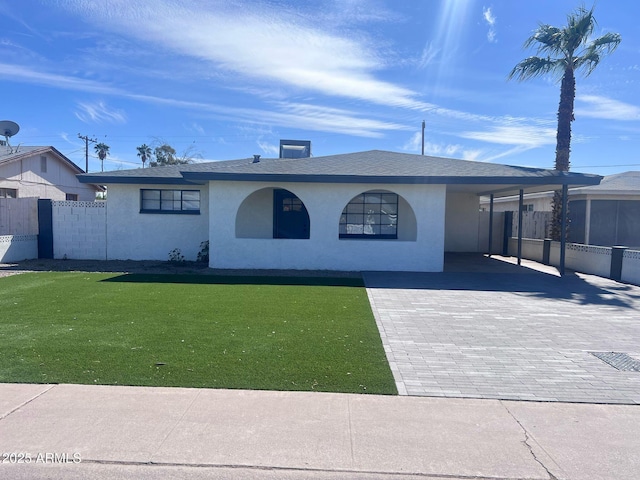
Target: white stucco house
373, 210
41, 172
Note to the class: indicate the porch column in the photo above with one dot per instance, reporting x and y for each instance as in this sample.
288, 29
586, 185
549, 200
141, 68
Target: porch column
587, 221
563, 228
520, 205
490, 223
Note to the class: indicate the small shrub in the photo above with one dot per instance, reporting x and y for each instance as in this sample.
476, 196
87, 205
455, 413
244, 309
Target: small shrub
203, 254
175, 255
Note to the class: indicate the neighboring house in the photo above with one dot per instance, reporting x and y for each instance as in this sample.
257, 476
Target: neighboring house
41, 172
606, 214
371, 210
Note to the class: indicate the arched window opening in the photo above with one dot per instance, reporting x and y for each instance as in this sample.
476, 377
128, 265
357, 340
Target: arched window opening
371, 215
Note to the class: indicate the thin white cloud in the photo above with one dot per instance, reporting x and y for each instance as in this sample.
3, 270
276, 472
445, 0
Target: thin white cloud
26, 74
508, 153
429, 53
451, 150
522, 135
99, 112
414, 144
314, 117
595, 106
195, 127
490, 19
269, 148
352, 11
310, 117
252, 40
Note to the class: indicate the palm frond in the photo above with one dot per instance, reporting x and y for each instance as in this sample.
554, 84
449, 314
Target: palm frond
580, 25
607, 43
546, 38
596, 49
588, 62
535, 67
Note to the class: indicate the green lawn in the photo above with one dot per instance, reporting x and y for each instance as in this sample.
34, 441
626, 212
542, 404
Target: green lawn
190, 331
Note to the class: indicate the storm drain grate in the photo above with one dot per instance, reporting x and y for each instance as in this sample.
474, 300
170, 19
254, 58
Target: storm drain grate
619, 361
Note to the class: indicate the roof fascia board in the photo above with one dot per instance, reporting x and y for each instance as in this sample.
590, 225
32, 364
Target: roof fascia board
105, 180
429, 180
66, 160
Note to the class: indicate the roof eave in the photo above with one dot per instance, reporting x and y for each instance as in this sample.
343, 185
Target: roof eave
106, 179
577, 180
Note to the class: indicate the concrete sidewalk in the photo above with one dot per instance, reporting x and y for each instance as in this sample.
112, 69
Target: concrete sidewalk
136, 432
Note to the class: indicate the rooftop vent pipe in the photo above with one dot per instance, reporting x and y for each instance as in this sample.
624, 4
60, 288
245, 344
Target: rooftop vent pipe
256, 159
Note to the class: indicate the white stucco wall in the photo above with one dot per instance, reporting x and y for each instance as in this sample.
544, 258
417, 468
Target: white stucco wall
324, 250
631, 266
462, 223
14, 248
27, 177
148, 236
255, 215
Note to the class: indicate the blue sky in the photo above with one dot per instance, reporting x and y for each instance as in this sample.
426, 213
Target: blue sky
229, 79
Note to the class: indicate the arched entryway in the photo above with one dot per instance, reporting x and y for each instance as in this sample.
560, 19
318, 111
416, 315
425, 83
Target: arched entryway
273, 213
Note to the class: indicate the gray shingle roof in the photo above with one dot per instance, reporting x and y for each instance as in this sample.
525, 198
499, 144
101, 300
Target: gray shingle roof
8, 155
26, 151
374, 166
626, 182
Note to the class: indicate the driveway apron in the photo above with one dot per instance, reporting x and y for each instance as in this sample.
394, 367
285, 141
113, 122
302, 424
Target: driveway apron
510, 333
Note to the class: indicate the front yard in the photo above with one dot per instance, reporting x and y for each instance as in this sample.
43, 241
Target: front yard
190, 331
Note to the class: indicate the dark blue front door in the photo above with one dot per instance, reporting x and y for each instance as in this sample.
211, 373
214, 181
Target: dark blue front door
290, 217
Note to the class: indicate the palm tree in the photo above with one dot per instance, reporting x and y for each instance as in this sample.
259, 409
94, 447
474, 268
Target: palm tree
144, 152
568, 50
102, 150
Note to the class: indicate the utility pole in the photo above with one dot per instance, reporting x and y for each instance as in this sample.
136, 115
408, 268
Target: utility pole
423, 125
86, 149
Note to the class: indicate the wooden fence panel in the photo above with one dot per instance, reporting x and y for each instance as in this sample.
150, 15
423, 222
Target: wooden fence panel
19, 216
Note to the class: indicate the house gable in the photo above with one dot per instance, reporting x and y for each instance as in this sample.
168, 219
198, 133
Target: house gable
42, 172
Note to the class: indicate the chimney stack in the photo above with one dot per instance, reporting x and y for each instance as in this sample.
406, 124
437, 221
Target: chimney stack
256, 159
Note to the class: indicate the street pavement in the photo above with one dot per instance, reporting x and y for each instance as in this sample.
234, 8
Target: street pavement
115, 432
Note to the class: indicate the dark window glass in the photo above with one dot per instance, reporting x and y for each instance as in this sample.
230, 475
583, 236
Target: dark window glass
169, 201
8, 193
370, 215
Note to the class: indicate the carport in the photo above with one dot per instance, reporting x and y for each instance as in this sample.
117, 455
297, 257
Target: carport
558, 182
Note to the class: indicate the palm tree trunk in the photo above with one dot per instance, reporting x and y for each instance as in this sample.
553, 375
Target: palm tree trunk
565, 117
563, 144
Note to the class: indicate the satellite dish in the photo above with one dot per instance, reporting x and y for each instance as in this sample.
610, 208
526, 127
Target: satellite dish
8, 129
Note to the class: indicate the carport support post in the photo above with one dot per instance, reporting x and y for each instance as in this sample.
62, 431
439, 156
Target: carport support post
490, 223
617, 258
563, 228
520, 204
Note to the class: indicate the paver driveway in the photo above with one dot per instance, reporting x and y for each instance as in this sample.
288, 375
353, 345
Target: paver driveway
514, 334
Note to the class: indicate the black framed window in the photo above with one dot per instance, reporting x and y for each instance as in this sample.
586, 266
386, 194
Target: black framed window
170, 201
370, 215
8, 193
